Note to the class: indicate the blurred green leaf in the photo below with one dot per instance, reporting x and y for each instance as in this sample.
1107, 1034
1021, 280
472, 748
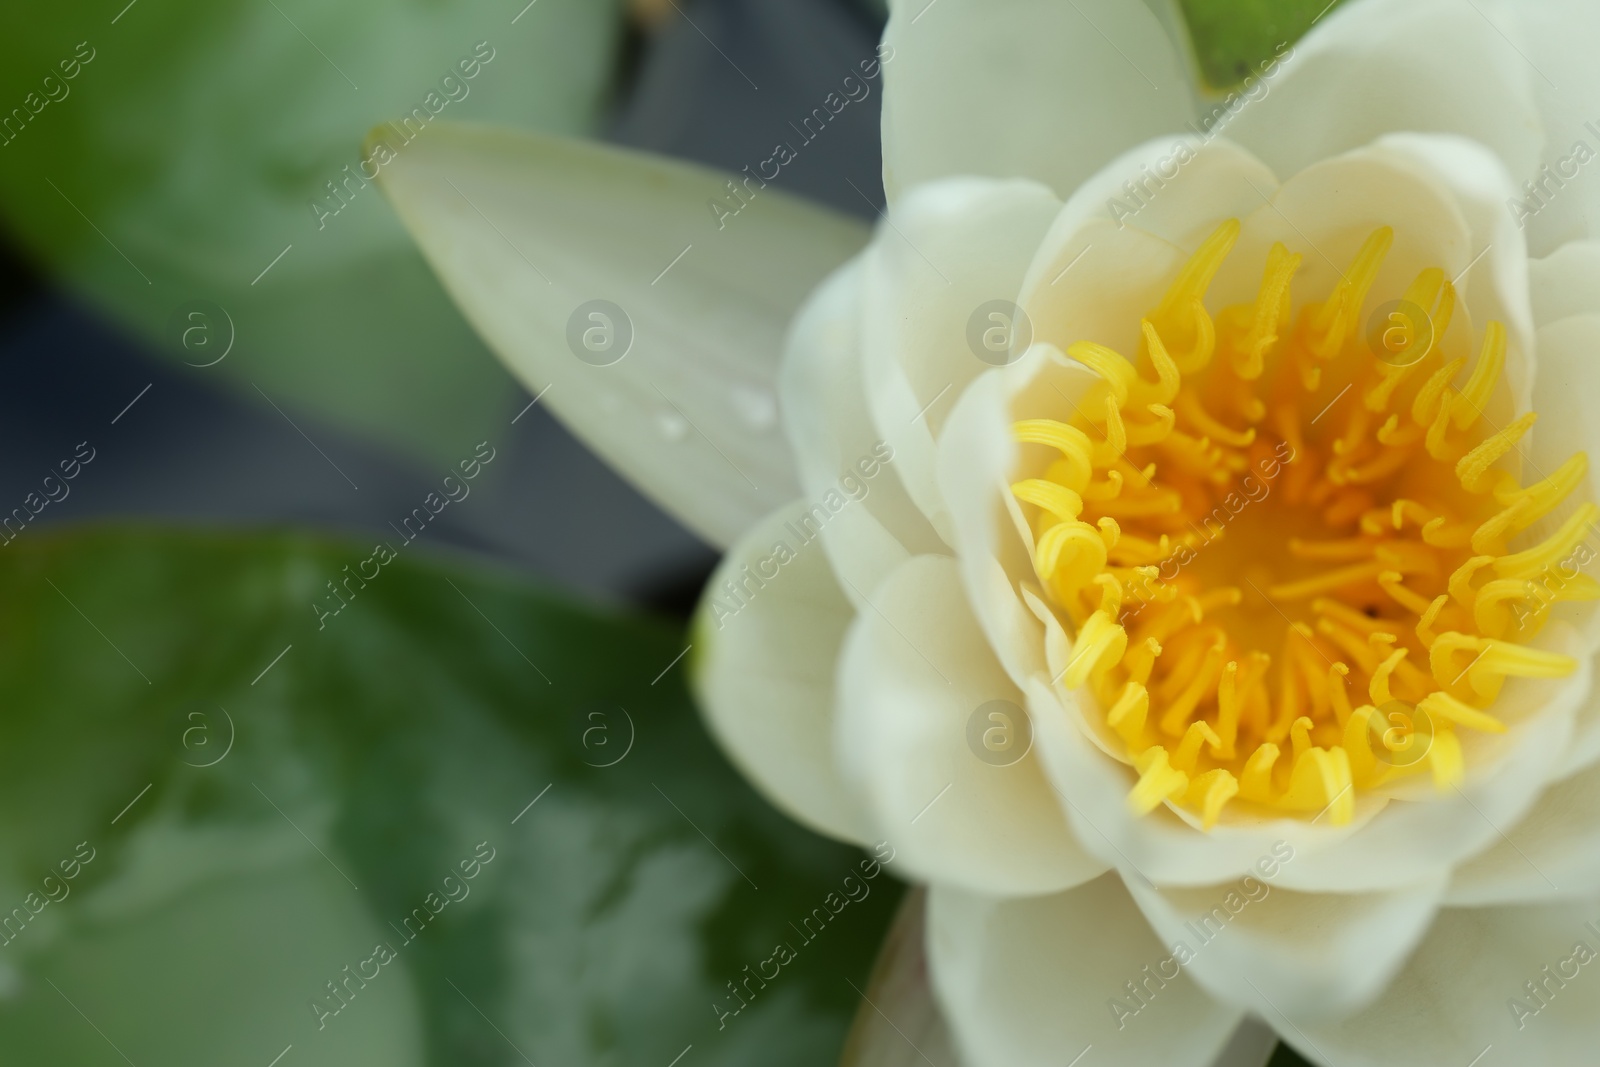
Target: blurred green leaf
1285, 1056
1232, 38
267, 801
185, 155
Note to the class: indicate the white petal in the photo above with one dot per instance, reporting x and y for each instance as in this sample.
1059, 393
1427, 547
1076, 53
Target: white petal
1327, 210
1454, 999
946, 250
1552, 854
1566, 282
1024, 88
1494, 284
1032, 983
975, 456
524, 230
1177, 188
837, 448
916, 675
1554, 41
1110, 254
1372, 67
1313, 956
763, 671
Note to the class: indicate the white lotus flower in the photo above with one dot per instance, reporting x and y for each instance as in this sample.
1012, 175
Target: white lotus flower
1247, 508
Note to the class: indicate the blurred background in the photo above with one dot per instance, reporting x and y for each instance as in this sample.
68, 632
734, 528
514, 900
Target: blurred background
472, 818
184, 159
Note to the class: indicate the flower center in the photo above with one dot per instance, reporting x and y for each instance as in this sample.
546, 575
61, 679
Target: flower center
1262, 536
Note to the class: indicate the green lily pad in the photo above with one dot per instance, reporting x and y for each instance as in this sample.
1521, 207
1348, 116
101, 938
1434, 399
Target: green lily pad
457, 822
193, 144
1233, 38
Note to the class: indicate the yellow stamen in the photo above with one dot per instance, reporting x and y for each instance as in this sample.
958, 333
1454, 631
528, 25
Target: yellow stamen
1213, 496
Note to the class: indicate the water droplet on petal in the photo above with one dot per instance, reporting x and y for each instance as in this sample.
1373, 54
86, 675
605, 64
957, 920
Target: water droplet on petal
673, 428
757, 407
10, 982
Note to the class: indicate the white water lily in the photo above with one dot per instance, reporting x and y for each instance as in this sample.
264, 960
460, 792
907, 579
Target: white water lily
1299, 638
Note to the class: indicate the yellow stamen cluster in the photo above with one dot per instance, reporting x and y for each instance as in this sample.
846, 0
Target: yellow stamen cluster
1261, 536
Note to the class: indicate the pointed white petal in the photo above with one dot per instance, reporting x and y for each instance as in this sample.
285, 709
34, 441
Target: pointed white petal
1493, 284
839, 452
1554, 42
1552, 854
526, 230
958, 793
1456, 1001
1041, 89
1566, 282
1314, 957
945, 251
1037, 982
1372, 67
763, 668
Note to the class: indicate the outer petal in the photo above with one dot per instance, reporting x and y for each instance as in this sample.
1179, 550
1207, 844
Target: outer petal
1373, 67
1456, 997
1033, 983
1555, 39
763, 671
915, 673
837, 447
945, 250
1566, 282
1494, 284
525, 230
1038, 89
1313, 956
1552, 854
